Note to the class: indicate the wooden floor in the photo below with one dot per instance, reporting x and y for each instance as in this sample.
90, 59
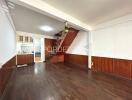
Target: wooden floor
37, 59
45, 81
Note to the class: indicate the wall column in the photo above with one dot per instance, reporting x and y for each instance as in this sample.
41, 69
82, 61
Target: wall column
89, 50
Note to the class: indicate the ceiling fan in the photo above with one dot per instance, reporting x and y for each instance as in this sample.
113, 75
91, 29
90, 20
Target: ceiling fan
65, 30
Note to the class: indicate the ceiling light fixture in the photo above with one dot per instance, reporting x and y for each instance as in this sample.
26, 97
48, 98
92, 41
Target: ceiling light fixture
46, 28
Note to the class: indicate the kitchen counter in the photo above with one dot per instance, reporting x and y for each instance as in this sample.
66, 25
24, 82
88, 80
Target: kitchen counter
25, 54
25, 59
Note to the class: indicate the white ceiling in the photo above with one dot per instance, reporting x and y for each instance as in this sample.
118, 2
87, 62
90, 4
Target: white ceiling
81, 12
27, 20
93, 12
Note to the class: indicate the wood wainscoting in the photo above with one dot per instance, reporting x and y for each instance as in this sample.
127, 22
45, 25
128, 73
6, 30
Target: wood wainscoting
81, 61
57, 59
5, 73
117, 67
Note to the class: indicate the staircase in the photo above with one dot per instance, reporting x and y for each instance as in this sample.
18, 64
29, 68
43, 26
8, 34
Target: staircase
64, 40
67, 41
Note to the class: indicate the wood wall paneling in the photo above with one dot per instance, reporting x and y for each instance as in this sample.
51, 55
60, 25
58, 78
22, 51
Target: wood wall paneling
49, 44
117, 67
102, 64
57, 58
79, 60
123, 67
5, 73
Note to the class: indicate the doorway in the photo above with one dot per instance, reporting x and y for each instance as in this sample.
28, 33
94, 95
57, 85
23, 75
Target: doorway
38, 49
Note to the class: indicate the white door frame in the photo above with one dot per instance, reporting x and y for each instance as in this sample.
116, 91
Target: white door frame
42, 49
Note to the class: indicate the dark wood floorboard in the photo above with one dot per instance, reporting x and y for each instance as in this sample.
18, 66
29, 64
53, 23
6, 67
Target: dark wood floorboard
45, 81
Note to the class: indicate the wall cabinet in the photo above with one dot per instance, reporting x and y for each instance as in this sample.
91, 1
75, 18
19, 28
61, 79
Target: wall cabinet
24, 39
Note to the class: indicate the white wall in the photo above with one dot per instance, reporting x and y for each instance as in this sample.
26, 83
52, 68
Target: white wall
80, 44
113, 39
7, 37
